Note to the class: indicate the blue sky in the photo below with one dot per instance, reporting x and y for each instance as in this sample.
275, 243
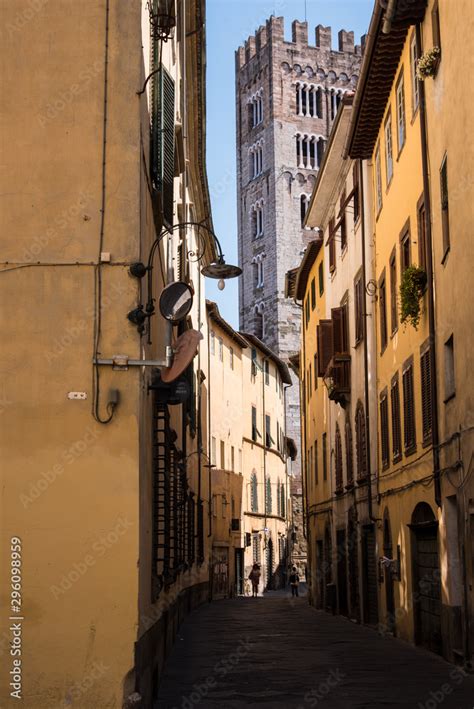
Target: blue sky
229, 23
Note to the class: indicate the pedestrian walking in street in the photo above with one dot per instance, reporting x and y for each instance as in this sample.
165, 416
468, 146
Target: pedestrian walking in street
294, 581
254, 577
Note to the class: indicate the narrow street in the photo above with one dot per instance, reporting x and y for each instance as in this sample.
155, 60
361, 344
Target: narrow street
281, 653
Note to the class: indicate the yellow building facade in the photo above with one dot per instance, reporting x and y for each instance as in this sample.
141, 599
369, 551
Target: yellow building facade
104, 489
414, 513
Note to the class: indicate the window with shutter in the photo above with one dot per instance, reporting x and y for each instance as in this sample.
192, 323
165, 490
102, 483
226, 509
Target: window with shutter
421, 214
163, 140
321, 278
384, 439
359, 309
325, 456
268, 435
393, 292
315, 371
361, 442
349, 452
355, 180
254, 423
343, 226
444, 206
405, 247
337, 316
383, 313
396, 425
426, 401
253, 493
338, 460
316, 463
332, 245
325, 351
313, 294
409, 410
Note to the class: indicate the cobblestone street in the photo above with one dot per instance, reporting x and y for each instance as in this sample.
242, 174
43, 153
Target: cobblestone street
280, 653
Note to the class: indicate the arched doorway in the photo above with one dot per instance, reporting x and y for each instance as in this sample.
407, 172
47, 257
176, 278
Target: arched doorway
388, 575
426, 578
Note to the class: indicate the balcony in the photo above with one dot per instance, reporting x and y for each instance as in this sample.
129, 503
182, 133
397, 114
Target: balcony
338, 378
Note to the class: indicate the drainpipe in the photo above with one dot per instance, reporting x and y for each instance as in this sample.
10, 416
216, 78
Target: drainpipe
209, 451
431, 283
304, 410
366, 345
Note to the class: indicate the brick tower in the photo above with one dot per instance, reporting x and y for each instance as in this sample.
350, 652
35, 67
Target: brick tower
287, 95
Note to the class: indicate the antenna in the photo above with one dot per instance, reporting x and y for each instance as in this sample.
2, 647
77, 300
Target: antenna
305, 11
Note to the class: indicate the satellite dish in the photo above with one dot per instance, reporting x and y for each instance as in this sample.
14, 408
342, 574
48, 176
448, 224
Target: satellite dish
184, 352
176, 301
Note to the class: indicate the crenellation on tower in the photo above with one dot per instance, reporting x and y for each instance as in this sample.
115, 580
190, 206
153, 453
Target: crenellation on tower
323, 37
250, 48
261, 38
346, 41
276, 29
299, 33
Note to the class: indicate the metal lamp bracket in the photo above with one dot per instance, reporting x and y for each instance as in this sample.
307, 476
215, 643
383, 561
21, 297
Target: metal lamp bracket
121, 362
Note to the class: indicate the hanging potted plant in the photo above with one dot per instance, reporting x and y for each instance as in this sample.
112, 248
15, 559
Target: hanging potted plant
427, 64
412, 288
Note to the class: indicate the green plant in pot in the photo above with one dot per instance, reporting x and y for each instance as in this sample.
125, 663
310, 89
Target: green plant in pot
412, 287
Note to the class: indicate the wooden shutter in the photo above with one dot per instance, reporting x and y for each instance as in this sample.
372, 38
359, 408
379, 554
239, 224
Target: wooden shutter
321, 278
332, 246
426, 403
338, 334
396, 429
163, 140
338, 459
384, 440
355, 180
409, 409
325, 352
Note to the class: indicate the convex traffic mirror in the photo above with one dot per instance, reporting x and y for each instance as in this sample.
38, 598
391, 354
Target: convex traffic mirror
176, 301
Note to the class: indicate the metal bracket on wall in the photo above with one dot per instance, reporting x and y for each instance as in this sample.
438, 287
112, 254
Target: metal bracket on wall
123, 362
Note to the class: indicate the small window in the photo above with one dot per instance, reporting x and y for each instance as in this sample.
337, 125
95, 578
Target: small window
213, 451
378, 179
401, 120
316, 464
435, 25
315, 368
254, 508
405, 247
307, 311
268, 497
221, 349
313, 294
222, 455
321, 278
266, 367
444, 206
449, 378
393, 292
383, 313
388, 149
213, 342
231, 357
232, 460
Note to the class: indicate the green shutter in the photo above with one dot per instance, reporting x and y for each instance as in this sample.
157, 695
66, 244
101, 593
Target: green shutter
162, 140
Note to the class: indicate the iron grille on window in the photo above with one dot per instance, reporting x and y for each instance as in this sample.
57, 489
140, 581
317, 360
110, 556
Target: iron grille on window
409, 409
253, 493
256, 552
171, 526
396, 425
426, 408
162, 138
384, 430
